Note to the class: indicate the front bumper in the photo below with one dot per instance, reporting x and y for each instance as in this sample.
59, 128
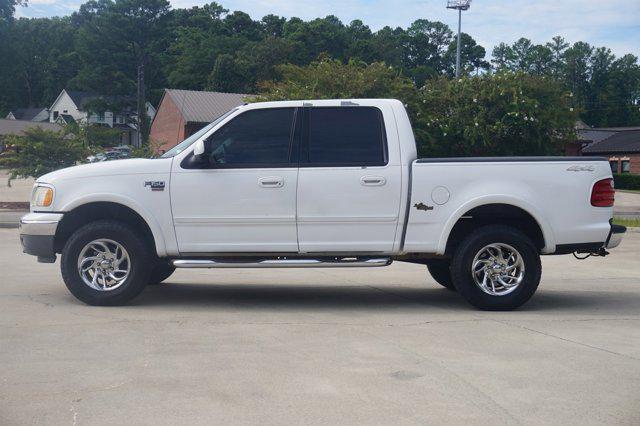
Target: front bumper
37, 233
615, 236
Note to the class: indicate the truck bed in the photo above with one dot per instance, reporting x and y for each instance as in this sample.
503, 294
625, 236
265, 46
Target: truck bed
555, 191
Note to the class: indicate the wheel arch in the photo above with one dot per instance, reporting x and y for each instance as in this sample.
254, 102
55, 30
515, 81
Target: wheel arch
497, 210
81, 213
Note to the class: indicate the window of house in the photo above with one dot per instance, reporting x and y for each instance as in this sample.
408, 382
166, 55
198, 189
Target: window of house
614, 166
100, 116
65, 111
55, 115
256, 137
626, 166
346, 136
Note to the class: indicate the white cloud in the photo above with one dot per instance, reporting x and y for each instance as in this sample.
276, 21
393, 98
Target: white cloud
46, 2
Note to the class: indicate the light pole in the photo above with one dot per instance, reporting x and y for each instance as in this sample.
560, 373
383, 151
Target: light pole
460, 5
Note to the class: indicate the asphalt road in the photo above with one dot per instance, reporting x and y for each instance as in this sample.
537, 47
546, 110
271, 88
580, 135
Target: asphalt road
372, 346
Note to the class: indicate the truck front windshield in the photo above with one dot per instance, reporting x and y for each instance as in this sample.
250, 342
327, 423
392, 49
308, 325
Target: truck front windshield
194, 137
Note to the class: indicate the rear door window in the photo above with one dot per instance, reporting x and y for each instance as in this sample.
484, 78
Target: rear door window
345, 136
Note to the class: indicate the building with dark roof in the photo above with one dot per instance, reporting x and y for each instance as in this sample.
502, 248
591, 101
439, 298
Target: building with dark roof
620, 144
18, 127
73, 106
38, 114
181, 113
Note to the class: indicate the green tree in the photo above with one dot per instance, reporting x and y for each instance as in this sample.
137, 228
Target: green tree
117, 44
41, 151
8, 8
333, 79
425, 44
502, 114
229, 75
471, 56
558, 47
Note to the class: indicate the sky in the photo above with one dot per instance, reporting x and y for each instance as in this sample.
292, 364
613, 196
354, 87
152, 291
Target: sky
611, 23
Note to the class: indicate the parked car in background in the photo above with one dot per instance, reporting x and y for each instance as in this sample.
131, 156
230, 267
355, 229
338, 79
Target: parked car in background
328, 183
117, 153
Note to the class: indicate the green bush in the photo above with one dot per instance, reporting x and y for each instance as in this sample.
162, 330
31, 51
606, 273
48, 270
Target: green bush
627, 181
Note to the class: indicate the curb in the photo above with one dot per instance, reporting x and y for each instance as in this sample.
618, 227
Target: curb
11, 218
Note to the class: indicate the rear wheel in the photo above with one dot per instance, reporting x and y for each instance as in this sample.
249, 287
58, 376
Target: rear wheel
496, 268
441, 272
105, 263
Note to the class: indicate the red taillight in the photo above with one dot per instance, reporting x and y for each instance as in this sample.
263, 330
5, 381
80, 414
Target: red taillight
603, 193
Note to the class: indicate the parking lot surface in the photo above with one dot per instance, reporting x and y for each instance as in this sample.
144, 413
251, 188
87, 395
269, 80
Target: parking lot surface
330, 346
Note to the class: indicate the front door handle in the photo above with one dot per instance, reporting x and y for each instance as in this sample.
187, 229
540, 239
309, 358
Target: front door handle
372, 180
271, 182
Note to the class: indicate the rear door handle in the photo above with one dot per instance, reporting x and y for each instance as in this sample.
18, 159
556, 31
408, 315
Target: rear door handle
372, 180
271, 182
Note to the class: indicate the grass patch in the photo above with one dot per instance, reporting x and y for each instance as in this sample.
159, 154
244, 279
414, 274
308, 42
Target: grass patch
627, 222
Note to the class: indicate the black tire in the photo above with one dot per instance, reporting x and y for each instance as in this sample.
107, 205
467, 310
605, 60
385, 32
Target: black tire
161, 272
139, 255
461, 265
441, 272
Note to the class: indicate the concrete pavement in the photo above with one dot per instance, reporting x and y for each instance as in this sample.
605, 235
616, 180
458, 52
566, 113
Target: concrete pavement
372, 346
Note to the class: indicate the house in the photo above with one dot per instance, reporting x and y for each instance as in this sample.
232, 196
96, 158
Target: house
18, 127
181, 113
620, 144
90, 108
39, 114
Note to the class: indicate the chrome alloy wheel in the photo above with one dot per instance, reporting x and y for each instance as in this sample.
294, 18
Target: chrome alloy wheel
104, 265
498, 269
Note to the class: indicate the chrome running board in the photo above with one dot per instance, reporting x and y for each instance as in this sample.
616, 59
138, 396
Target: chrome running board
282, 263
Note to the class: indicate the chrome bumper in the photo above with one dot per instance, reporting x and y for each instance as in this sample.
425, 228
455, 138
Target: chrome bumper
37, 233
615, 236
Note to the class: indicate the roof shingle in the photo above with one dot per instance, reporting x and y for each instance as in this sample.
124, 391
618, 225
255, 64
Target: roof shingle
17, 127
204, 107
619, 142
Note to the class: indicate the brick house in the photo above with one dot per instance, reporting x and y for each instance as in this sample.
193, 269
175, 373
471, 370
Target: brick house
620, 144
181, 113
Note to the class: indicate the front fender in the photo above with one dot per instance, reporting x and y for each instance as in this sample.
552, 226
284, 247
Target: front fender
154, 226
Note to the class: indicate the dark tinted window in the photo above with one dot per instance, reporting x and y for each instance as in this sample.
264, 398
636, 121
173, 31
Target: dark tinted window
257, 137
626, 166
614, 166
346, 136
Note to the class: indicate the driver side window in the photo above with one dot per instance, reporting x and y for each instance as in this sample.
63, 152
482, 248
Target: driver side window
259, 137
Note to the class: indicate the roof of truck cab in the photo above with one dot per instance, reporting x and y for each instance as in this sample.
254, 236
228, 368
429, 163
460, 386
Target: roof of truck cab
318, 102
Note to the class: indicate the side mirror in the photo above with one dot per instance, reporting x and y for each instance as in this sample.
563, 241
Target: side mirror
199, 154
198, 149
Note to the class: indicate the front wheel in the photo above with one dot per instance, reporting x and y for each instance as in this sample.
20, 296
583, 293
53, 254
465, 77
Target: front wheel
160, 272
105, 263
496, 268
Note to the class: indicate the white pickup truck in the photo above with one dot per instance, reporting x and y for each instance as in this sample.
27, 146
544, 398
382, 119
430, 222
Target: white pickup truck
329, 183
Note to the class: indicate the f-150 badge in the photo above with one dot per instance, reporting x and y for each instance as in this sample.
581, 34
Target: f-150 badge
155, 185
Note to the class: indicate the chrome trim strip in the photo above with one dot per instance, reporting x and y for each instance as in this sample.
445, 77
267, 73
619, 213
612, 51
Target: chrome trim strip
39, 223
615, 240
281, 263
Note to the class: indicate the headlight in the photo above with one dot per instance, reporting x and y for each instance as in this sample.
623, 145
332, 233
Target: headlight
42, 196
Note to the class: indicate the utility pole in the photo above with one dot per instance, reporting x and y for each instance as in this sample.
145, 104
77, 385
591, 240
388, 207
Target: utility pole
141, 106
459, 5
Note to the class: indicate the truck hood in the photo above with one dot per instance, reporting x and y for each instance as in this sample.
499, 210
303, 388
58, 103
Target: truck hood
134, 166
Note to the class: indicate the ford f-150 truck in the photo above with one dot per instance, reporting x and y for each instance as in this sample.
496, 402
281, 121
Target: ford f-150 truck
327, 183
